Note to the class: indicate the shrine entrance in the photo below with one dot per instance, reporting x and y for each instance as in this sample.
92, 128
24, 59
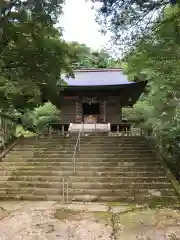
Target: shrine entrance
91, 112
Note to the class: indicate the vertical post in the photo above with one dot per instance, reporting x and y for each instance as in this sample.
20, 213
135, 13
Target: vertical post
118, 128
67, 189
79, 140
82, 128
63, 188
95, 128
62, 129
74, 164
104, 111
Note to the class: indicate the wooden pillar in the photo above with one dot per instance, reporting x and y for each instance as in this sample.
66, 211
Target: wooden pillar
117, 128
62, 129
120, 114
104, 111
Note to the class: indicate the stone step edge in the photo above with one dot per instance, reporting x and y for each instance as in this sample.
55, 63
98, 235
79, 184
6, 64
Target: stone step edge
83, 198
80, 161
106, 177
88, 190
78, 182
114, 159
94, 164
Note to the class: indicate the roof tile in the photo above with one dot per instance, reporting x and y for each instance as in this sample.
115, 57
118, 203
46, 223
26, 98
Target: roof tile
97, 77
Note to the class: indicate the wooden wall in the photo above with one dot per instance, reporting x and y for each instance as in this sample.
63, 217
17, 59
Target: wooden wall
113, 109
68, 111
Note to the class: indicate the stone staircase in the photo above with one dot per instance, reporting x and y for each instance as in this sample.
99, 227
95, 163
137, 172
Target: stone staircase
107, 169
89, 128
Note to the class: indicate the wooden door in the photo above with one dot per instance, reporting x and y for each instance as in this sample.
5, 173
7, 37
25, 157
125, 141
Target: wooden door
78, 112
102, 108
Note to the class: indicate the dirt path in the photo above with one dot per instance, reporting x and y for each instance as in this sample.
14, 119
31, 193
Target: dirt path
53, 221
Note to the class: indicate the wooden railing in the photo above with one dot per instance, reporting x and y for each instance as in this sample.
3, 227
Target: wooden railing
7, 129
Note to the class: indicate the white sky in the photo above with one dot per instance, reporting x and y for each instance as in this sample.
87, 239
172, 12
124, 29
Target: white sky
79, 24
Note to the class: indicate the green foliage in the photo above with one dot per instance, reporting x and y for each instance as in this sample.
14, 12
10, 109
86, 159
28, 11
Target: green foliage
32, 54
130, 20
85, 57
37, 119
156, 59
21, 132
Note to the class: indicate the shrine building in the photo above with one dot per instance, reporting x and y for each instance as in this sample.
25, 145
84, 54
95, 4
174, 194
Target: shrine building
98, 96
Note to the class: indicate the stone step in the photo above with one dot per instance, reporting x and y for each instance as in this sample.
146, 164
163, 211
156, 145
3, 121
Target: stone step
56, 137
86, 185
38, 172
58, 164
82, 149
43, 172
68, 158
104, 164
83, 144
80, 155
138, 193
85, 140
126, 199
58, 161
125, 192
86, 198
101, 169
113, 179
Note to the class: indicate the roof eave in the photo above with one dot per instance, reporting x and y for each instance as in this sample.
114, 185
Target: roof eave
114, 86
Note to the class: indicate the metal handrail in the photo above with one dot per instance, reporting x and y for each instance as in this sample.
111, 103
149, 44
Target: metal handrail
65, 189
75, 149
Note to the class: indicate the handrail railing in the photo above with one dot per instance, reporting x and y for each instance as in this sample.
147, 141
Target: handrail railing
77, 146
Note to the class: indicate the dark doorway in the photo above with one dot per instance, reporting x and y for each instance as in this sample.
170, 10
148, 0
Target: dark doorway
91, 109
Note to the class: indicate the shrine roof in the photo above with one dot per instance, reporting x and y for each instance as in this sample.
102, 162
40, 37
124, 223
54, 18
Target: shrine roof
98, 77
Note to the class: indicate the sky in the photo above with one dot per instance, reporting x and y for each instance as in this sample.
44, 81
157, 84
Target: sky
79, 24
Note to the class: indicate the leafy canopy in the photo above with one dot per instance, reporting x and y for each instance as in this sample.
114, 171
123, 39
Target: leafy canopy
38, 118
33, 55
85, 57
130, 20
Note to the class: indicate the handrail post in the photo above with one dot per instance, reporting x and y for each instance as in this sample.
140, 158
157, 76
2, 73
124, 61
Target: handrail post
79, 141
62, 129
82, 128
74, 167
77, 147
67, 190
63, 193
95, 128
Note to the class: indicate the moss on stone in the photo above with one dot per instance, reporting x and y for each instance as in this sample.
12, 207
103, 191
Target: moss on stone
65, 213
114, 204
105, 217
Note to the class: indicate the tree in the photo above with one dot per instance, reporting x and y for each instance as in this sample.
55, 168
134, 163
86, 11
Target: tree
156, 59
130, 20
85, 57
33, 55
38, 118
